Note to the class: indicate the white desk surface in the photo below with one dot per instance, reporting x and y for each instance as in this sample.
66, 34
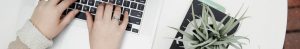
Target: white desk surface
9, 14
270, 15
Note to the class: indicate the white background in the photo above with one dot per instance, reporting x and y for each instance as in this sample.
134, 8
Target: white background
8, 21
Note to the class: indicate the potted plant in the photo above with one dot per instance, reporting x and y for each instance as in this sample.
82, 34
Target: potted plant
208, 33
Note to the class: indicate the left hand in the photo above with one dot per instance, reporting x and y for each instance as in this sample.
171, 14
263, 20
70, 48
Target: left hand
47, 17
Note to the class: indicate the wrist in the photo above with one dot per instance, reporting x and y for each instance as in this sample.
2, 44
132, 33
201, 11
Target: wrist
47, 35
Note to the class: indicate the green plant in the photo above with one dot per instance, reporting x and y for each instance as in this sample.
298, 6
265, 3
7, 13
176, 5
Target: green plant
212, 36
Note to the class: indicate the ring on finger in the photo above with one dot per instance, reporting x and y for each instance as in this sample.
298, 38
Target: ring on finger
117, 18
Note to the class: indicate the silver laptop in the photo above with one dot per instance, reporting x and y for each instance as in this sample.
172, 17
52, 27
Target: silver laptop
134, 7
143, 15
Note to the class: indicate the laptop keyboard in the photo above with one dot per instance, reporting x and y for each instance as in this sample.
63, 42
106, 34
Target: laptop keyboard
135, 9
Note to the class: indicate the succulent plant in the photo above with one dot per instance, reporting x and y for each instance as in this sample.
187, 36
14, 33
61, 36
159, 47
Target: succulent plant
209, 34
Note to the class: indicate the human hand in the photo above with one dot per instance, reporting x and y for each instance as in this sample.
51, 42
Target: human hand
106, 32
47, 17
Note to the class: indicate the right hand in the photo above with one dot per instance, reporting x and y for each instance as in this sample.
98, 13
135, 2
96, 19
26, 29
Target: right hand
105, 32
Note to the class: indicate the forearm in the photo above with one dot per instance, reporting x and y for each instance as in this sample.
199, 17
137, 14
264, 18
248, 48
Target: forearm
28, 37
17, 44
104, 43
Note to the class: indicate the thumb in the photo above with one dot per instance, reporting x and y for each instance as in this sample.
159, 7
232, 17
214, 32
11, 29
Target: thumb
89, 20
68, 18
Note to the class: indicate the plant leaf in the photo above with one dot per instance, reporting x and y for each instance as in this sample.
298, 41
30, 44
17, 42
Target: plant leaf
190, 36
211, 43
213, 19
233, 45
203, 43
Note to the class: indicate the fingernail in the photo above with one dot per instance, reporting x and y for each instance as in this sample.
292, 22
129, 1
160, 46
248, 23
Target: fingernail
118, 6
87, 12
101, 4
76, 10
109, 3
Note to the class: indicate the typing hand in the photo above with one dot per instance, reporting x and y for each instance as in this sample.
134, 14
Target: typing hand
106, 32
47, 16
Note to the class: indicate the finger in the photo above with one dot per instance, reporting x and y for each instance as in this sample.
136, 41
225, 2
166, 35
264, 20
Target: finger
89, 20
99, 13
125, 21
117, 15
65, 4
41, 2
68, 18
108, 12
53, 2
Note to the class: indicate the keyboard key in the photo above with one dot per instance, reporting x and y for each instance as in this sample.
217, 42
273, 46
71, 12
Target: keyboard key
128, 28
81, 15
93, 17
105, 0
122, 16
136, 13
119, 2
141, 1
83, 1
72, 6
97, 3
135, 30
112, 1
93, 10
77, 1
121, 10
66, 11
141, 7
133, 5
86, 8
126, 9
126, 3
79, 6
134, 20
91, 2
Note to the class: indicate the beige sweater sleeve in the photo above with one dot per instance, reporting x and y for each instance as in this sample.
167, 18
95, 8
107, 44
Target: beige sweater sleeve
30, 38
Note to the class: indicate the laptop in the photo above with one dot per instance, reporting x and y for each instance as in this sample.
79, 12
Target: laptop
140, 31
135, 9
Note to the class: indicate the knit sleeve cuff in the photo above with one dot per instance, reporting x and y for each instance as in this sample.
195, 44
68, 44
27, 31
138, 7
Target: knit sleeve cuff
32, 37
